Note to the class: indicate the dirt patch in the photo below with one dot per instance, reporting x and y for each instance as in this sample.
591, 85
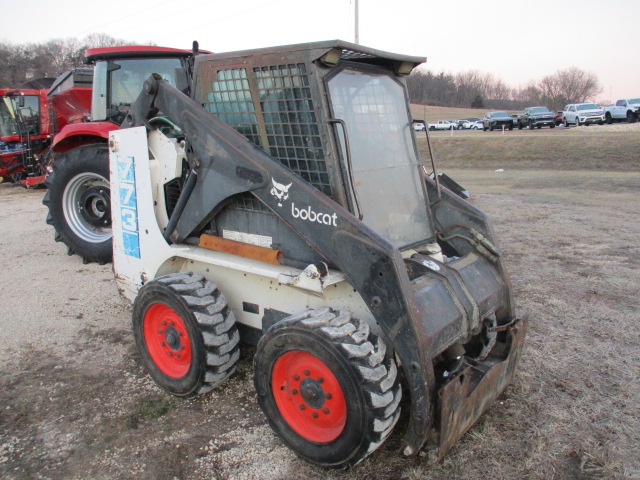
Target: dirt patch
76, 404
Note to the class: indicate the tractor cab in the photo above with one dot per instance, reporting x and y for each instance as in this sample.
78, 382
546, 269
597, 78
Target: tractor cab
120, 72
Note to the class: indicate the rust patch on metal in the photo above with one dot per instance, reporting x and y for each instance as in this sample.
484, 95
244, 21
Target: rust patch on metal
474, 389
241, 249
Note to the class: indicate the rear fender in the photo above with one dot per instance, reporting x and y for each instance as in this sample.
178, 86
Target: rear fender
72, 136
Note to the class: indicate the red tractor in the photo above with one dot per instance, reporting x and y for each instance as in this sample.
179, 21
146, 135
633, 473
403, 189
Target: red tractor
78, 193
25, 132
29, 119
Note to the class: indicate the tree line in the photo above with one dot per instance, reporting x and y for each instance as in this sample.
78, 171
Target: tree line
475, 89
472, 89
23, 62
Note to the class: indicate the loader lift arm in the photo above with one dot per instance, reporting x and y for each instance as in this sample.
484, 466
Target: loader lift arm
226, 163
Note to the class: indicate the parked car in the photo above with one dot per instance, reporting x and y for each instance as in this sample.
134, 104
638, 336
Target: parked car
493, 120
533, 117
476, 125
582, 114
419, 127
442, 125
464, 124
625, 109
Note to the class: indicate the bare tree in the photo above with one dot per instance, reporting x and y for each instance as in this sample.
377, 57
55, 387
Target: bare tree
19, 63
570, 85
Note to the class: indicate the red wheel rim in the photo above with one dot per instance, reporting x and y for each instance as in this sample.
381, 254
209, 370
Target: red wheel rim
309, 396
167, 340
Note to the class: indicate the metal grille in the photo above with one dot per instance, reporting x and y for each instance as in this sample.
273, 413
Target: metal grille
230, 100
290, 122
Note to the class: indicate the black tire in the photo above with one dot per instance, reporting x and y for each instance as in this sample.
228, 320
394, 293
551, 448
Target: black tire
180, 314
530, 125
552, 126
565, 122
577, 122
519, 125
607, 118
631, 118
78, 197
367, 387
491, 128
511, 127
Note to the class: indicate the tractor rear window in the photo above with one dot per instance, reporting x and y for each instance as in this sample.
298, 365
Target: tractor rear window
8, 125
127, 78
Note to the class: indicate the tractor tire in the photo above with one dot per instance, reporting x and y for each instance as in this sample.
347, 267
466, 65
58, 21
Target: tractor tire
78, 197
186, 334
327, 387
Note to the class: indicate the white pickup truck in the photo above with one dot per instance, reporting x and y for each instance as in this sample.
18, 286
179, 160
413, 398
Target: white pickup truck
443, 125
625, 109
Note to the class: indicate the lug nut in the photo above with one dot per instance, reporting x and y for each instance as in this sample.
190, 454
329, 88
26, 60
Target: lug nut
177, 355
320, 379
171, 323
170, 354
307, 372
296, 377
314, 414
325, 410
159, 330
294, 391
327, 396
302, 407
164, 322
162, 344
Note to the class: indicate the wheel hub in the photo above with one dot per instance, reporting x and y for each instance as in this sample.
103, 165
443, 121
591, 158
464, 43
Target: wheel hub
172, 338
312, 393
95, 206
309, 396
167, 340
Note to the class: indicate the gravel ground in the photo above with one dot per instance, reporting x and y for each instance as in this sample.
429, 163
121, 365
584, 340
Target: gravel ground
75, 403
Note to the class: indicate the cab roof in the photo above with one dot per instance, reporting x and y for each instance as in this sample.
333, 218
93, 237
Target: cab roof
330, 51
132, 51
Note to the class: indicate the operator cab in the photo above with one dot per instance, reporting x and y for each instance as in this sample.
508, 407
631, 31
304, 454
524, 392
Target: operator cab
336, 114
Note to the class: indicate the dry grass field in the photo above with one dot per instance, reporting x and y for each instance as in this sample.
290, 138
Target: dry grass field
76, 404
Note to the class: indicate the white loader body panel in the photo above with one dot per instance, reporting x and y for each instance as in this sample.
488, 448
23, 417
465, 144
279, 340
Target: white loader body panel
140, 252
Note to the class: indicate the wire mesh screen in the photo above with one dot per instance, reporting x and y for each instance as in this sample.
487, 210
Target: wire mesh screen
230, 100
290, 121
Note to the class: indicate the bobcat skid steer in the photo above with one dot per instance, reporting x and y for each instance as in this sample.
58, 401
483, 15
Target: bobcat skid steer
283, 203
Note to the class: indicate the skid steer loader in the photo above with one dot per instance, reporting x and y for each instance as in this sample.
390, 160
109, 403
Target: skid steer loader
284, 204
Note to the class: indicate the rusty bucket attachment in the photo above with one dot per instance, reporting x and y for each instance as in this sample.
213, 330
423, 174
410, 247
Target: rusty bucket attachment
470, 392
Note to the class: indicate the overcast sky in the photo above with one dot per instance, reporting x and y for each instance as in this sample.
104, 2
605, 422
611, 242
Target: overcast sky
516, 41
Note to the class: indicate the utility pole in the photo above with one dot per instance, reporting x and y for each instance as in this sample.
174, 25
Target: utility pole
357, 31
